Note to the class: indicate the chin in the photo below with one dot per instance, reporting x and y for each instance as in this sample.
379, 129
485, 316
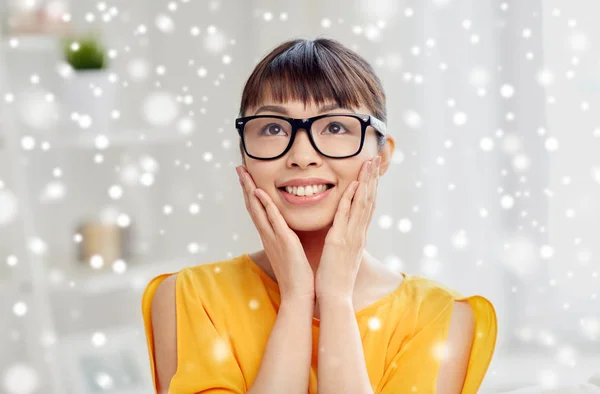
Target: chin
303, 223
308, 227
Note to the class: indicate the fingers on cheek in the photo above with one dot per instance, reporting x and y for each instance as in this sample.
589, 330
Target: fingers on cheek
362, 174
263, 197
374, 173
353, 192
347, 203
352, 189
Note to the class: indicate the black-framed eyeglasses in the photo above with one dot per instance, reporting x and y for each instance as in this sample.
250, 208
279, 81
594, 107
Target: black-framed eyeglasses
337, 136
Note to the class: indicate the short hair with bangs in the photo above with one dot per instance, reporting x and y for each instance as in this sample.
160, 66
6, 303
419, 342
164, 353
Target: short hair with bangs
320, 70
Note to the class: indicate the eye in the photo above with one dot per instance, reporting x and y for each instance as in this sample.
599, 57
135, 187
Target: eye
335, 128
272, 129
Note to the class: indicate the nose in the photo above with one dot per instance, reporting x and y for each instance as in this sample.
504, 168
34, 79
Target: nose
302, 153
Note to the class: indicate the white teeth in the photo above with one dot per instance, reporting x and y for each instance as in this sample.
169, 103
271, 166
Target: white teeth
305, 190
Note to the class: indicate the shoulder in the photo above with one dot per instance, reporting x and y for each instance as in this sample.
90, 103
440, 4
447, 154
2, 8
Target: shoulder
428, 289
205, 273
163, 305
160, 303
446, 308
162, 290
465, 325
431, 300
165, 292
215, 269
194, 282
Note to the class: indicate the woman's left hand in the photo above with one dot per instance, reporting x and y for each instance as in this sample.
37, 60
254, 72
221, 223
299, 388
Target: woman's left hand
345, 241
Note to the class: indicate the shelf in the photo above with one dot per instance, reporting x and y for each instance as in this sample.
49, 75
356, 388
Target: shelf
7, 275
32, 42
97, 140
83, 278
5, 284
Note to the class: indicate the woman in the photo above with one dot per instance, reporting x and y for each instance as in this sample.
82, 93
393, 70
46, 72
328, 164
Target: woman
313, 302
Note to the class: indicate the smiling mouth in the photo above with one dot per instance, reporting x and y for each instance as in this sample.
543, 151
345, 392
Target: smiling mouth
302, 191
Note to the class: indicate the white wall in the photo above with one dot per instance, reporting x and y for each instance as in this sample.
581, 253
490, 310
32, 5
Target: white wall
441, 179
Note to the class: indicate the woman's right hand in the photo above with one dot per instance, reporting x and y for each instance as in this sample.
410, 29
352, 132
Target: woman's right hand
295, 276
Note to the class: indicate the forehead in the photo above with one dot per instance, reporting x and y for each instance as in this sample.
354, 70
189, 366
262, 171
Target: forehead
290, 108
291, 98
299, 108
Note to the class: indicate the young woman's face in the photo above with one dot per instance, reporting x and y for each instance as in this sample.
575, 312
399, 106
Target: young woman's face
303, 161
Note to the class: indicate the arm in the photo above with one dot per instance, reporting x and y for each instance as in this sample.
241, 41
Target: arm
453, 368
342, 367
342, 362
164, 327
285, 366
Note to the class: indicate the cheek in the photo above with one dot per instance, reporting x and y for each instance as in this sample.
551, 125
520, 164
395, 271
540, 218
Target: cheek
350, 170
370, 148
261, 183
263, 176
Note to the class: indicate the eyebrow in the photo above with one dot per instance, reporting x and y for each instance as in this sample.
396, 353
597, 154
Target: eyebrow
281, 110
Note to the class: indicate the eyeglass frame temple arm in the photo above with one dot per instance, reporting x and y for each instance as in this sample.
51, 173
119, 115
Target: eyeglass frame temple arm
378, 125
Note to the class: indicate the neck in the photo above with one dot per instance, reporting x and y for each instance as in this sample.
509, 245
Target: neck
312, 243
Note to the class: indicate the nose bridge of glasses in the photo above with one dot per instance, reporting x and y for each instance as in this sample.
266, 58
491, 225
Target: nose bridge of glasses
302, 124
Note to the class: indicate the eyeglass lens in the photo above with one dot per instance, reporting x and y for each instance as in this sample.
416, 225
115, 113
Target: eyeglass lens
336, 136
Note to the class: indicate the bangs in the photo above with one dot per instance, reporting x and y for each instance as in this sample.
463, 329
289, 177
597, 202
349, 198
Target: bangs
314, 71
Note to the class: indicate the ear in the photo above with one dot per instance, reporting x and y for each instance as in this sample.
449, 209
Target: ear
386, 154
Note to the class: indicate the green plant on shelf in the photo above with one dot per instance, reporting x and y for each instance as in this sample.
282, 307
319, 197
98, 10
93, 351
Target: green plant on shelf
85, 52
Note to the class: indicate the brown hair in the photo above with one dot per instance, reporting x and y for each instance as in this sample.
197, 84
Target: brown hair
318, 70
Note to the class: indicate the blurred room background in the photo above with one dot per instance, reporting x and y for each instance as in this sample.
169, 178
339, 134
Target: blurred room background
117, 156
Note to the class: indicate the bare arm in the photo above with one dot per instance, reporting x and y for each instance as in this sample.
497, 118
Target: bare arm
453, 368
285, 365
164, 328
342, 367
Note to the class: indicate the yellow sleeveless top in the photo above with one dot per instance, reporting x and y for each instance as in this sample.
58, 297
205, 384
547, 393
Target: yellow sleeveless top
226, 309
